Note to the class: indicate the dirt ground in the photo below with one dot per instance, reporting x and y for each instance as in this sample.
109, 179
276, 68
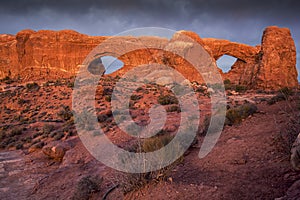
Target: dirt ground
249, 161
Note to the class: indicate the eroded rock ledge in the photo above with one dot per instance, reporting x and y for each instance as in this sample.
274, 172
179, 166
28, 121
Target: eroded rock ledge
47, 55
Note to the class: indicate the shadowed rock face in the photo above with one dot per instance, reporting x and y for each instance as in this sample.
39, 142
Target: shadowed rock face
47, 55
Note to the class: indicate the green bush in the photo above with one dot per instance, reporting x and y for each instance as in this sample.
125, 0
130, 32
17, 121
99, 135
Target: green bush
237, 114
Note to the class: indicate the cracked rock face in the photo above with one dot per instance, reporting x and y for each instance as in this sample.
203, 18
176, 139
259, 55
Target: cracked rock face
50, 55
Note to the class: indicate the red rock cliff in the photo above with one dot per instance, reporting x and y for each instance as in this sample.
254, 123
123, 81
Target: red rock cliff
41, 55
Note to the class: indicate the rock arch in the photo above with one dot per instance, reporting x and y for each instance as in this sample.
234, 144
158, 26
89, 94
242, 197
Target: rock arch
34, 54
221, 47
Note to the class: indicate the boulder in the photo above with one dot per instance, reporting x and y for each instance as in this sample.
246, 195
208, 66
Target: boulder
56, 152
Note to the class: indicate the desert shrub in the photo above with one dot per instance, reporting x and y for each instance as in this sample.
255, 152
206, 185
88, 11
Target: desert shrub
237, 114
8, 142
32, 86
70, 133
139, 89
52, 134
235, 87
228, 86
259, 91
132, 105
47, 128
240, 88
200, 89
70, 84
87, 186
7, 80
37, 135
277, 98
174, 108
2, 135
65, 113
227, 82
286, 91
107, 98
58, 82
156, 142
38, 145
167, 99
58, 136
22, 101
107, 91
19, 145
102, 117
16, 131
135, 97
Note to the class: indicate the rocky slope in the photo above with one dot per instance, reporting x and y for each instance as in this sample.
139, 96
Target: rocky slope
43, 54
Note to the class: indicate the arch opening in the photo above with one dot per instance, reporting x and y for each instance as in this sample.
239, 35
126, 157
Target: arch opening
225, 63
111, 64
105, 65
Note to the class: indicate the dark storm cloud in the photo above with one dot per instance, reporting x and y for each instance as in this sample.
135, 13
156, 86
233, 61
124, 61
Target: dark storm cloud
241, 21
209, 17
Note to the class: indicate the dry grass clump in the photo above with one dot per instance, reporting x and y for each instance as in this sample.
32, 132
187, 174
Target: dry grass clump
135, 181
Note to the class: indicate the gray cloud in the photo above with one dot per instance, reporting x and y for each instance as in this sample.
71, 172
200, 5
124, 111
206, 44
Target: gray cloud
241, 21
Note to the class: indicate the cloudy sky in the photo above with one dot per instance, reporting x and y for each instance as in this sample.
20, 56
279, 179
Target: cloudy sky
240, 21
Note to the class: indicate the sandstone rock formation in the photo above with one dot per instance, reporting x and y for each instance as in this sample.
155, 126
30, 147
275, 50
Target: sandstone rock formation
43, 55
278, 59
